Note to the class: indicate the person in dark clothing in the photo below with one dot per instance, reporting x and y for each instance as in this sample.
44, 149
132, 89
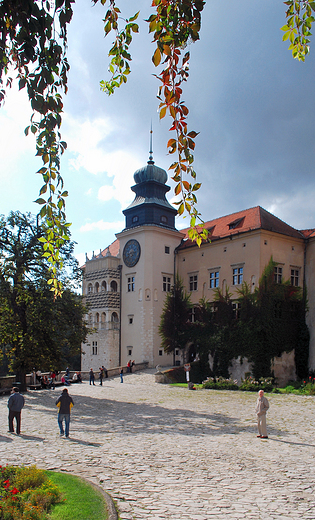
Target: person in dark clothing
101, 375
92, 377
15, 405
64, 403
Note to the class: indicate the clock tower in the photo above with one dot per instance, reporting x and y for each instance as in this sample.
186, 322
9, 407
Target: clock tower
147, 246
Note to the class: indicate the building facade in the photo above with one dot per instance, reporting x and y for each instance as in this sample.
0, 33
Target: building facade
126, 284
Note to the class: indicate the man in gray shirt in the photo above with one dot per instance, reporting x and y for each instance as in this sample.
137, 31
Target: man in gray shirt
15, 405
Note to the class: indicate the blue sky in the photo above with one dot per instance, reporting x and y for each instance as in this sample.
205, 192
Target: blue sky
251, 102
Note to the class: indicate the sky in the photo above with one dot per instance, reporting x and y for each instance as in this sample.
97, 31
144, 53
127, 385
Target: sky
251, 102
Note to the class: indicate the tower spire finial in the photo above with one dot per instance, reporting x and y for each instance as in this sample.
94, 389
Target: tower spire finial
150, 161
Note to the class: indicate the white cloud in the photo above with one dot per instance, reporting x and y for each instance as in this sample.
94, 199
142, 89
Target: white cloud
87, 143
101, 226
15, 116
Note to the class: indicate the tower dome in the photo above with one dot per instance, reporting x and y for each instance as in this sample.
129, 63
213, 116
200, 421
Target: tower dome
150, 172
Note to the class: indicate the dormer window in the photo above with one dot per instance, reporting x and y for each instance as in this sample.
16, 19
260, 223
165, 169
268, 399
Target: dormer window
163, 219
236, 223
135, 219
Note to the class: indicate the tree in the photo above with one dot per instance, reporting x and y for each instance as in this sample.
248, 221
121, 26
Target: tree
175, 324
33, 42
37, 330
267, 323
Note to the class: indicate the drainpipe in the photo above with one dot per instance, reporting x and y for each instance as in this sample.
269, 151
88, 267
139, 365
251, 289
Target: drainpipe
120, 295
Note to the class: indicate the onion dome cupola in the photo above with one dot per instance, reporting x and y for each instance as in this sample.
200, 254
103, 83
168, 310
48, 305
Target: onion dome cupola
150, 206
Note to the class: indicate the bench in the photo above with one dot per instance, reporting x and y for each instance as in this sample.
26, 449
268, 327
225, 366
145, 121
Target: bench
4, 391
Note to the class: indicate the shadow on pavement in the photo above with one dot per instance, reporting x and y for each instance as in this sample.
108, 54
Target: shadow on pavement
101, 415
293, 443
85, 443
4, 438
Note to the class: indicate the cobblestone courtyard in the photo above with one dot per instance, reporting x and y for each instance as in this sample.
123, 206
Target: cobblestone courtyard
170, 453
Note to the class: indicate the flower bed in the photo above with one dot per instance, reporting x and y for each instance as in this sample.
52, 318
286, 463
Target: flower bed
26, 493
220, 383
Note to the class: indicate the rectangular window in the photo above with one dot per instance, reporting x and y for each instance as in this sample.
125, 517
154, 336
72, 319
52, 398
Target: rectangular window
166, 283
237, 275
193, 282
236, 310
167, 250
278, 274
160, 352
295, 277
94, 351
131, 283
214, 279
176, 352
192, 315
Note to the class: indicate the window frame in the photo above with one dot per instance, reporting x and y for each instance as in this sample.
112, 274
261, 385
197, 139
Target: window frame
131, 282
166, 283
214, 278
237, 274
193, 282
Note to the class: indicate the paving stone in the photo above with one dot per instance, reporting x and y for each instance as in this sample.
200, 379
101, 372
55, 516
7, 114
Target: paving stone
169, 454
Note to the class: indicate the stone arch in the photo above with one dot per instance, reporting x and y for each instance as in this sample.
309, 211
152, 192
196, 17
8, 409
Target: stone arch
89, 288
97, 287
104, 287
113, 286
97, 318
114, 317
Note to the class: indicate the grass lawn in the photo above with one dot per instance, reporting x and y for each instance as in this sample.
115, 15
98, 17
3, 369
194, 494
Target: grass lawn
185, 385
83, 501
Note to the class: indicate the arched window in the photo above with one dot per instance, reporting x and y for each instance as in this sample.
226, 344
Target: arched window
103, 285
97, 318
103, 317
97, 286
90, 288
113, 286
114, 317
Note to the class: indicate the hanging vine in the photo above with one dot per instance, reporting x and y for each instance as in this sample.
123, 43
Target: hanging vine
33, 44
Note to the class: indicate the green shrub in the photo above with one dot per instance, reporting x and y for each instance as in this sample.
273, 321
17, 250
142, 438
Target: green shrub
219, 383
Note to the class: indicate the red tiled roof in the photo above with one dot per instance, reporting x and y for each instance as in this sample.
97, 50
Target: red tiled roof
113, 248
308, 233
243, 221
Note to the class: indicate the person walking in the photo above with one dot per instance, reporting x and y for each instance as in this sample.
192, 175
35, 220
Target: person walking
105, 371
64, 403
100, 376
92, 377
262, 406
15, 405
121, 375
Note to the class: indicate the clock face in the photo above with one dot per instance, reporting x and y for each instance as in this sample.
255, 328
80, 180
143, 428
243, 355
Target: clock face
131, 253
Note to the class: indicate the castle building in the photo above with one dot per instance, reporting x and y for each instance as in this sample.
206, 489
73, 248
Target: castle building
126, 284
